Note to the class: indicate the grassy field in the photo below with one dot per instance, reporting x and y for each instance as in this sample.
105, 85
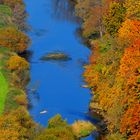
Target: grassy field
3, 91
3, 80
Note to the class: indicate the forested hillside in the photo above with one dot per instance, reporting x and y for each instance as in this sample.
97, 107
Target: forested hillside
112, 28
15, 120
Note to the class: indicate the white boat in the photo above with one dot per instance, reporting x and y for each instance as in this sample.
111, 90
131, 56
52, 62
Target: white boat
43, 112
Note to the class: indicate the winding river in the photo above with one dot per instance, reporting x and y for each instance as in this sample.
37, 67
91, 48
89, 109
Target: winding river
58, 84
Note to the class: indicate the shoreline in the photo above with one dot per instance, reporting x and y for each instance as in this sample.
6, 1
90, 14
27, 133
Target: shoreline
113, 71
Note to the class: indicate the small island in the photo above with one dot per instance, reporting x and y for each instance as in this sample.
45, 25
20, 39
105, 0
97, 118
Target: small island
59, 56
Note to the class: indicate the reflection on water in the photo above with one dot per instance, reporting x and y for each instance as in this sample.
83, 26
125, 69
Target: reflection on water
64, 10
39, 32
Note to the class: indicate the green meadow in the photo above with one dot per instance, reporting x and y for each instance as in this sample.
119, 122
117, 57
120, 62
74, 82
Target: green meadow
3, 91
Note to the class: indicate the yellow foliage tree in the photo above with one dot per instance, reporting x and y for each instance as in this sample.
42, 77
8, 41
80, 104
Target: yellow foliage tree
17, 125
132, 8
130, 31
17, 63
13, 39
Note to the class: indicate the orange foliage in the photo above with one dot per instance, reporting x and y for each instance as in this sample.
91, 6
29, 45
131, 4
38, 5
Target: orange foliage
8, 128
129, 71
130, 122
124, 91
17, 63
130, 31
114, 73
14, 39
130, 62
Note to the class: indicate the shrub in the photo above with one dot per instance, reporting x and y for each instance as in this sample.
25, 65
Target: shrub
82, 128
13, 39
57, 121
56, 134
57, 129
21, 100
17, 63
17, 125
11, 103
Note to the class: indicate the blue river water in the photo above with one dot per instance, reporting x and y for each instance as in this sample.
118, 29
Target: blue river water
58, 84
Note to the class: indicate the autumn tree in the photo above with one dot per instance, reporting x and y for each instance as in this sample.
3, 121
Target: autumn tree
94, 23
129, 71
114, 18
6, 15
113, 74
83, 7
17, 63
13, 39
132, 9
16, 125
57, 129
130, 62
92, 14
19, 71
130, 122
129, 31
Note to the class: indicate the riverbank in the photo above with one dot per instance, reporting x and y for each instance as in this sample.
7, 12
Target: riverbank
14, 73
113, 72
14, 70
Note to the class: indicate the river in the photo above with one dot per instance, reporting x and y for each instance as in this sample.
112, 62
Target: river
54, 28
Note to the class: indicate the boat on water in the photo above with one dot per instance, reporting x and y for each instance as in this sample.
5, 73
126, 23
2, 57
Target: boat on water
43, 112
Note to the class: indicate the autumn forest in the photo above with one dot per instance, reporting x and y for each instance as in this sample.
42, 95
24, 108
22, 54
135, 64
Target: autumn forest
111, 31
